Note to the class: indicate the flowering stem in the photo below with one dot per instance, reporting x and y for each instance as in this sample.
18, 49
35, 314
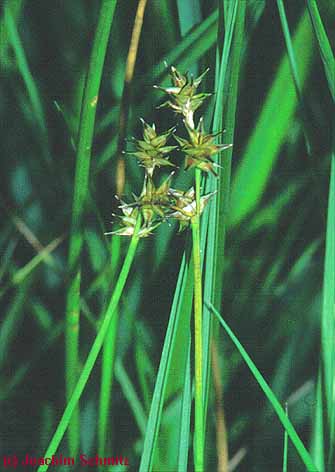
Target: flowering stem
199, 424
95, 349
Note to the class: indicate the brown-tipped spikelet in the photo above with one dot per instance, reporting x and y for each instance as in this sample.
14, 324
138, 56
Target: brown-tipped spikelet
158, 204
184, 207
200, 148
152, 151
183, 98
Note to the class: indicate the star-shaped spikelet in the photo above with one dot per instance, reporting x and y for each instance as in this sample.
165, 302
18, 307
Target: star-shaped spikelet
200, 148
152, 151
184, 207
182, 95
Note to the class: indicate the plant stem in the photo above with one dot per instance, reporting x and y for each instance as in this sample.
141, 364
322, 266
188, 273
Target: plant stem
81, 189
199, 423
108, 357
95, 349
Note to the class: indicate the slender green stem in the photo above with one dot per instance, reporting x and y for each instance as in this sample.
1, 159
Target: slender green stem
108, 357
199, 423
285, 445
81, 189
95, 349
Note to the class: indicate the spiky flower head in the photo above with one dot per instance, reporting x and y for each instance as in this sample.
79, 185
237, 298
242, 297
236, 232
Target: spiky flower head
184, 207
128, 221
182, 95
200, 148
152, 150
154, 202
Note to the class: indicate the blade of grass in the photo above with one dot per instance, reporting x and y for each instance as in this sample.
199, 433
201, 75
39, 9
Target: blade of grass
294, 71
7, 256
210, 187
15, 7
23, 371
318, 439
271, 127
23, 272
130, 394
328, 328
95, 349
231, 56
179, 316
189, 15
81, 190
24, 69
30, 84
324, 45
12, 319
298, 444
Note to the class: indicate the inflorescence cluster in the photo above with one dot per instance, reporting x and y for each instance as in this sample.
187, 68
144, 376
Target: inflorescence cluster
159, 204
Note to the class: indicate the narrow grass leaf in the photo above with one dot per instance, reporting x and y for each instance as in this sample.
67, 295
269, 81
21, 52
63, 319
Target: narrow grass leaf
25, 271
15, 7
271, 128
81, 191
130, 394
298, 444
183, 289
24, 69
294, 72
11, 320
328, 324
318, 437
231, 55
324, 45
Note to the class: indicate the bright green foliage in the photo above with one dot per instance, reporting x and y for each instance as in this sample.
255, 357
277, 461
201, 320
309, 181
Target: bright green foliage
262, 252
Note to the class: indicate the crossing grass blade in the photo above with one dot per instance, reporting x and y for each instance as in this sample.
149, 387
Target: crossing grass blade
298, 444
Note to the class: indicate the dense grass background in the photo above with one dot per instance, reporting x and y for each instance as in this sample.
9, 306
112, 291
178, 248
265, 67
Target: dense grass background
269, 267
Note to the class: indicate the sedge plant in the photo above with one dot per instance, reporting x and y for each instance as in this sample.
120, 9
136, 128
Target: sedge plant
159, 204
